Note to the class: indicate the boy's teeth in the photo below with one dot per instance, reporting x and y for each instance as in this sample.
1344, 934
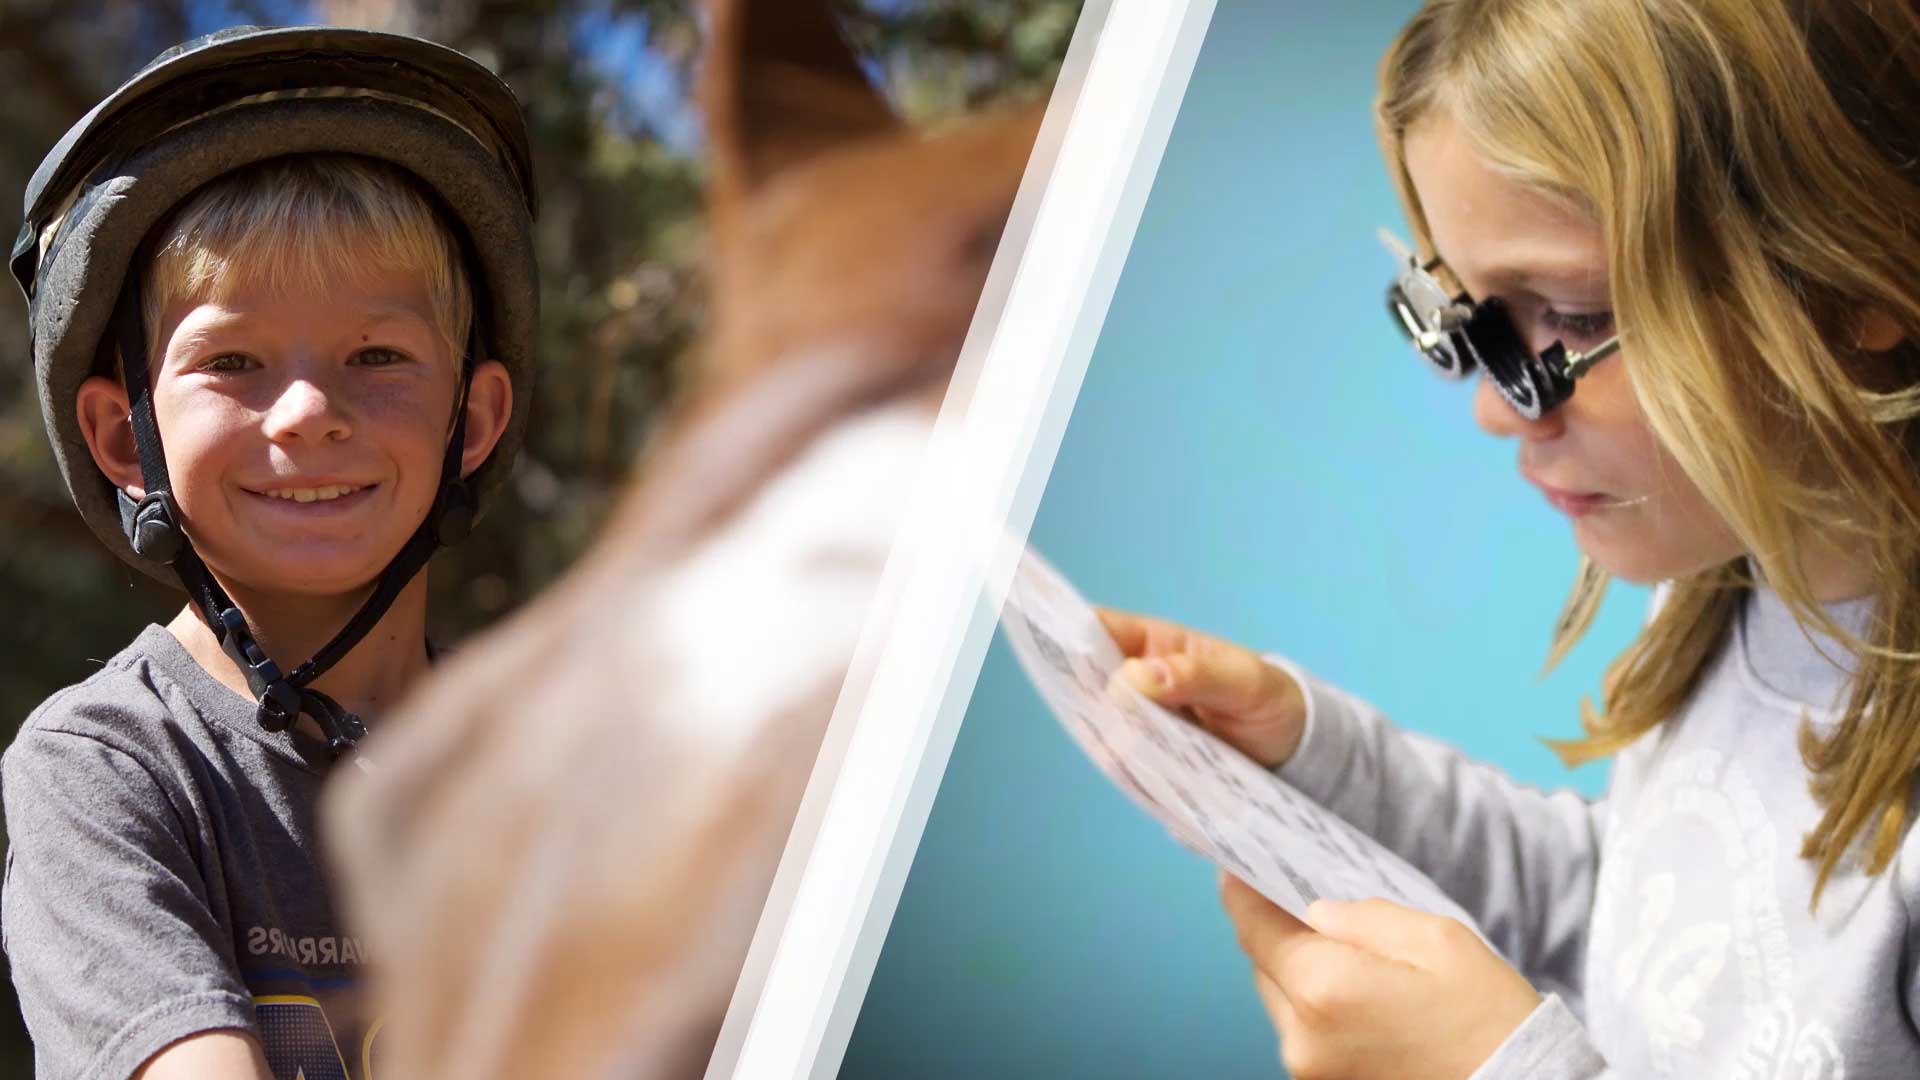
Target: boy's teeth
319, 494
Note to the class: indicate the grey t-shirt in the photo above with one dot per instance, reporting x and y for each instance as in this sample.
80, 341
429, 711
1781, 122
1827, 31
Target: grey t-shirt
1668, 923
163, 877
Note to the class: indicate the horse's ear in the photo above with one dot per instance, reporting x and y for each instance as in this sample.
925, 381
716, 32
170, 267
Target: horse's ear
780, 85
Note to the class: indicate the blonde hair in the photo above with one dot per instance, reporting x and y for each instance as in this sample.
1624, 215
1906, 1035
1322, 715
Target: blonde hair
1755, 171
297, 222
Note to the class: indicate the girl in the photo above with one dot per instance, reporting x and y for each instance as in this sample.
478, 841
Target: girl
1677, 236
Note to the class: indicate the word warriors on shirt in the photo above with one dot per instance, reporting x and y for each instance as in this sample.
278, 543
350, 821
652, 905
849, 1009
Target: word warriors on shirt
266, 941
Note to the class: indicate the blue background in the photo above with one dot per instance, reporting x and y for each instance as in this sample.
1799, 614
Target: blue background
1257, 453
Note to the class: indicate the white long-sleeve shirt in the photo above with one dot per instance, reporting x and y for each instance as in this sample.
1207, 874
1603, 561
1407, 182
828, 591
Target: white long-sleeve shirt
1668, 923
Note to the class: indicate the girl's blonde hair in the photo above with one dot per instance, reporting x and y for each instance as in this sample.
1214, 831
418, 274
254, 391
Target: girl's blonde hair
1754, 166
294, 223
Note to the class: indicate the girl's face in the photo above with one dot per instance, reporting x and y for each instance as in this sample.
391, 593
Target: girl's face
1633, 511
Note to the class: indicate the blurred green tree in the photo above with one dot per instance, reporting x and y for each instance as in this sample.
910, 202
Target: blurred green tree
605, 84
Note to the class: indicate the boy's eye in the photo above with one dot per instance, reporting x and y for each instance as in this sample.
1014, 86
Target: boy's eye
379, 356
227, 362
1580, 326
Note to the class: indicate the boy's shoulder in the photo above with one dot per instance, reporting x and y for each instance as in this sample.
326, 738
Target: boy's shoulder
139, 704
105, 748
113, 702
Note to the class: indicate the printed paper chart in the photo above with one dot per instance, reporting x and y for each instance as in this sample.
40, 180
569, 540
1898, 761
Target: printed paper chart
1211, 797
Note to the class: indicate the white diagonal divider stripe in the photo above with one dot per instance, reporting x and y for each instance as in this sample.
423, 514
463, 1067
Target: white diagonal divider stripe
994, 443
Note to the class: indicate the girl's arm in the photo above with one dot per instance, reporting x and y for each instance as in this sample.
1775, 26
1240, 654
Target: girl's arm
1521, 860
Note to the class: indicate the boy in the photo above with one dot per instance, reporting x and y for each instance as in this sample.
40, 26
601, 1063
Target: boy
282, 300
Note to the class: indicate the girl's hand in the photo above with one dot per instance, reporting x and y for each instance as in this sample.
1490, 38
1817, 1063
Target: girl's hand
1257, 708
1373, 989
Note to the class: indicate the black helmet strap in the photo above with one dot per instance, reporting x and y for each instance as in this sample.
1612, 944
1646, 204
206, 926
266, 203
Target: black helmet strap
153, 527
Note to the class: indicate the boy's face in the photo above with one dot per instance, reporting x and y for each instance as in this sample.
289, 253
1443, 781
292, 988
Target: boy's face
304, 433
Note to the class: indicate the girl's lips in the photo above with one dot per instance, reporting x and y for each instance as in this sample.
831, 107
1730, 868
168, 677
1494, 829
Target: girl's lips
1576, 504
1573, 504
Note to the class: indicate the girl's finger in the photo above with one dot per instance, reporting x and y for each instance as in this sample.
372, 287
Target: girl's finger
1265, 930
1387, 929
1224, 685
1289, 951
1285, 1020
1140, 635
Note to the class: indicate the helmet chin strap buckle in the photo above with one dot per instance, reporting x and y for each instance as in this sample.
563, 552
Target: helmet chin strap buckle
152, 525
342, 729
279, 700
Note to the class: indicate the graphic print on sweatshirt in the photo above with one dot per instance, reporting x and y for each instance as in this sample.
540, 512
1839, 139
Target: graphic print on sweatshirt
1704, 981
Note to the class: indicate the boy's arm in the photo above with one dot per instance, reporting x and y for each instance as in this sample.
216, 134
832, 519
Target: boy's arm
1522, 861
115, 949
210, 1055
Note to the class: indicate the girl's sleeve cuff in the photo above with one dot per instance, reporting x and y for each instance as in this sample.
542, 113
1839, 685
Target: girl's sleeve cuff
1327, 743
1550, 1044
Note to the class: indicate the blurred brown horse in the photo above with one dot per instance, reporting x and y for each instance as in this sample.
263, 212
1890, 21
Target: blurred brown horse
565, 842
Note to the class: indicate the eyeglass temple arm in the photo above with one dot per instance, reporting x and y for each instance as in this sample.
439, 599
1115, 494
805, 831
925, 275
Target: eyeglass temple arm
1577, 364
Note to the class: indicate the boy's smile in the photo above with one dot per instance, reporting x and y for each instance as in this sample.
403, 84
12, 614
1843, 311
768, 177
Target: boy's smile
305, 429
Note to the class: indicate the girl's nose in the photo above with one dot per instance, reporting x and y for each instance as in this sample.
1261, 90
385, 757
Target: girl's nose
305, 411
1497, 417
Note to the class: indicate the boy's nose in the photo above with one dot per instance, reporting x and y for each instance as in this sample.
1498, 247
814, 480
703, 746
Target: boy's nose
1497, 418
305, 411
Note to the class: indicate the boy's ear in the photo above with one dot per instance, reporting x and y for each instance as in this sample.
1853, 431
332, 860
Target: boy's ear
102, 408
780, 86
489, 407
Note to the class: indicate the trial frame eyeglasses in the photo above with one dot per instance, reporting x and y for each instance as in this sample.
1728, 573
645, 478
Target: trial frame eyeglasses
1459, 336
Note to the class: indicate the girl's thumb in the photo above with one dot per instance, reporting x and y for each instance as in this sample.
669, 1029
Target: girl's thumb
1152, 676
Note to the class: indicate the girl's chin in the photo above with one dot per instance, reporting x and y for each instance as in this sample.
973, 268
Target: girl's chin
1637, 565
